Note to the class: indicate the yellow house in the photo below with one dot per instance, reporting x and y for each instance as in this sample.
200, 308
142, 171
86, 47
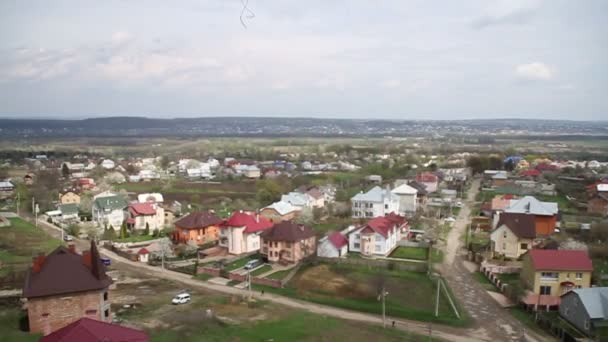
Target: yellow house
68, 197
552, 272
514, 235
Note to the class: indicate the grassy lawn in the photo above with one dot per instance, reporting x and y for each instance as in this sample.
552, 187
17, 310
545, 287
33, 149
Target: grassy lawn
261, 270
203, 276
333, 224
9, 326
136, 238
416, 253
240, 262
509, 278
485, 282
350, 287
298, 326
279, 274
17, 245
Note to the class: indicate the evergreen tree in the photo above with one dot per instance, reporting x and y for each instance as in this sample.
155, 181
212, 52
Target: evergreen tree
147, 230
123, 231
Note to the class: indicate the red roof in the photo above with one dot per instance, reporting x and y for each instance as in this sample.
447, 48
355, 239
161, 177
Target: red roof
564, 260
382, 225
426, 177
338, 240
90, 330
530, 173
143, 250
252, 223
138, 209
546, 167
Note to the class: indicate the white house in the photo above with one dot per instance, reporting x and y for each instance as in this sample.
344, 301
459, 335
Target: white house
374, 203
241, 232
153, 197
514, 235
408, 197
334, 245
148, 213
248, 171
298, 200
108, 164
379, 236
108, 210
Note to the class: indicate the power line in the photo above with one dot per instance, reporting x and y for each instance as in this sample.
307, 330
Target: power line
246, 13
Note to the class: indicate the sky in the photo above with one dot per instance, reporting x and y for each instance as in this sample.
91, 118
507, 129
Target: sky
466, 59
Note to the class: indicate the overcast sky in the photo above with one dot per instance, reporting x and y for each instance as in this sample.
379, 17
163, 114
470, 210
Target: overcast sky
321, 58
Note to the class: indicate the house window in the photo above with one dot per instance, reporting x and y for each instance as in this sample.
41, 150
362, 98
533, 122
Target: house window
357, 245
545, 290
567, 312
357, 236
504, 234
106, 313
90, 312
523, 246
504, 246
549, 276
579, 276
386, 206
105, 296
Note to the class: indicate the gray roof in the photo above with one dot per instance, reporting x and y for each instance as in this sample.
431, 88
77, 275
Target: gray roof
530, 205
595, 300
404, 189
296, 198
376, 194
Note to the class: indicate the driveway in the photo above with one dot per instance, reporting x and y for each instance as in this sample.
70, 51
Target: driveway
492, 321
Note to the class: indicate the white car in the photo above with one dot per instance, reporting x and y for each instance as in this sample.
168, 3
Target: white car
181, 298
68, 238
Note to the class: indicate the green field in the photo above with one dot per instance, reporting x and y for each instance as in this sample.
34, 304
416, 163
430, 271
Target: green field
416, 253
18, 243
279, 274
9, 326
261, 270
411, 294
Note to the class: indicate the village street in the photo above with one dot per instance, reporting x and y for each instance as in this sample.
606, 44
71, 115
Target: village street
492, 321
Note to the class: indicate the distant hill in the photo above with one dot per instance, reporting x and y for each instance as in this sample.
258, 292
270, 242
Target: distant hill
290, 127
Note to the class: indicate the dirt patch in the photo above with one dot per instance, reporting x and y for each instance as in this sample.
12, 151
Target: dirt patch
322, 279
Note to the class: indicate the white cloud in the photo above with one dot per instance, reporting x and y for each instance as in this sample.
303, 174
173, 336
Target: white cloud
535, 71
121, 37
391, 84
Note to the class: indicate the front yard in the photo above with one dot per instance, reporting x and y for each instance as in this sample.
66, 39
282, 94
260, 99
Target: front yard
411, 294
416, 253
236, 264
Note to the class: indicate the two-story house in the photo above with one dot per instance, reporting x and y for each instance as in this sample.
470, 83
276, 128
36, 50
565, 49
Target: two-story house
586, 309
376, 202
379, 236
514, 235
407, 199
279, 211
63, 287
545, 213
148, 214
288, 242
198, 227
241, 232
108, 210
429, 180
69, 196
552, 272
298, 199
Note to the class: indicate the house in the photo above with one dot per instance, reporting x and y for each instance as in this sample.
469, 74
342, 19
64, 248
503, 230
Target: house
28, 179
334, 245
69, 196
154, 197
108, 210
90, 330
407, 198
86, 183
500, 179
241, 232
530, 173
545, 213
379, 236
143, 254
374, 203
449, 195
247, 171
374, 179
429, 180
598, 204
145, 214
6, 189
586, 309
501, 202
63, 287
298, 200
553, 272
514, 235
199, 227
316, 195
279, 211
288, 242
69, 211
108, 164
422, 194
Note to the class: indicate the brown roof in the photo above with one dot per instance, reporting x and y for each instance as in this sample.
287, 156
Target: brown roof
288, 231
522, 225
200, 219
64, 271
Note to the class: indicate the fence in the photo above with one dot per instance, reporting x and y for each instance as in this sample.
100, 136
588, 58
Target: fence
122, 253
388, 264
208, 270
406, 243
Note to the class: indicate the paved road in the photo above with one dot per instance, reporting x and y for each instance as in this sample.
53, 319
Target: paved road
492, 322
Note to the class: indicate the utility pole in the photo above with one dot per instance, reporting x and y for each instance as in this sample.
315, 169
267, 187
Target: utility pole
382, 297
249, 283
437, 299
18, 201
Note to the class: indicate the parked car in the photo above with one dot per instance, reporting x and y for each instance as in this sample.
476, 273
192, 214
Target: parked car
106, 261
253, 264
68, 238
181, 298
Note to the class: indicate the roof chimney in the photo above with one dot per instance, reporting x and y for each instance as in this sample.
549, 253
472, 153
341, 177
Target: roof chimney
72, 248
37, 262
257, 217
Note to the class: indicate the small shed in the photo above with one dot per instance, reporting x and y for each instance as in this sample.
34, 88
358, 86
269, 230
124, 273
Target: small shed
143, 254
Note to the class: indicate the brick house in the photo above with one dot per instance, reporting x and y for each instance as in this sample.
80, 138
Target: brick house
198, 227
64, 287
288, 242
